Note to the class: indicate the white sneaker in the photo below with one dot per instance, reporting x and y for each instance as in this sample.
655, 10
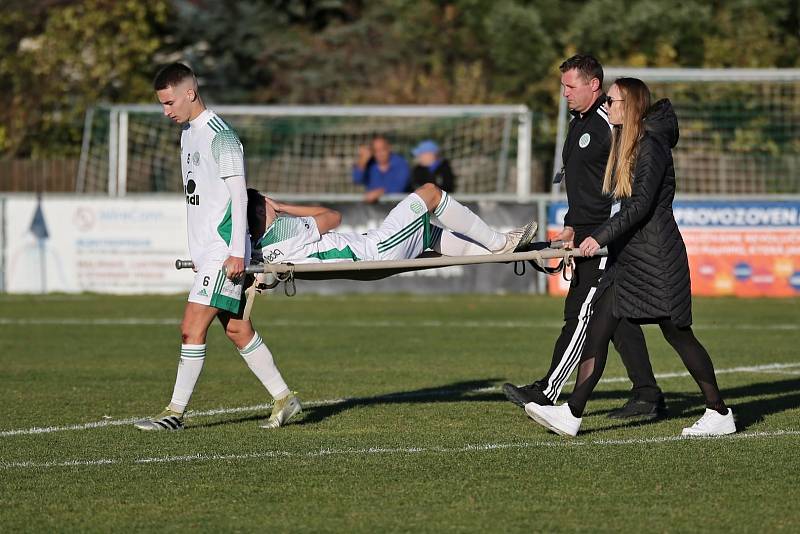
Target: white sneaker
559, 419
518, 239
712, 424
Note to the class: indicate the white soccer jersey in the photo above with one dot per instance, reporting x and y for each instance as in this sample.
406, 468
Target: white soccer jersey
297, 240
210, 152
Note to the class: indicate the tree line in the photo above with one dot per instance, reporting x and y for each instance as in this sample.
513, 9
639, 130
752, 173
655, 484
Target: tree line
59, 57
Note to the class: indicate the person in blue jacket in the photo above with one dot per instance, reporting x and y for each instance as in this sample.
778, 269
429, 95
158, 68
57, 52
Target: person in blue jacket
380, 170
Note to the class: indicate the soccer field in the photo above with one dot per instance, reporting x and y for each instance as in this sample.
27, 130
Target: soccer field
404, 429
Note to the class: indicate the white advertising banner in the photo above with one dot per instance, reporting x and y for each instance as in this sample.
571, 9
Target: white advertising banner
74, 244
130, 244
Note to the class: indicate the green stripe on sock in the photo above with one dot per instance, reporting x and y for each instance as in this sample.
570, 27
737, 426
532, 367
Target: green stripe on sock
442, 205
193, 354
253, 346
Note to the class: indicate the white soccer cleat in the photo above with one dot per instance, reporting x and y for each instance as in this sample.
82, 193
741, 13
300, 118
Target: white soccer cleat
282, 411
559, 419
712, 424
518, 239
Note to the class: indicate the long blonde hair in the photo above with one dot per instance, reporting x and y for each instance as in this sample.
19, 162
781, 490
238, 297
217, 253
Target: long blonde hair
618, 179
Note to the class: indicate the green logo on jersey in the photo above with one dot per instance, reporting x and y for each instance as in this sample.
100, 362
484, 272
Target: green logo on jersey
202, 293
417, 207
196, 158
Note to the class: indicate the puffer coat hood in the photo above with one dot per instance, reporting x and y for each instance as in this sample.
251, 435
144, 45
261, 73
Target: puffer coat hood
662, 123
649, 268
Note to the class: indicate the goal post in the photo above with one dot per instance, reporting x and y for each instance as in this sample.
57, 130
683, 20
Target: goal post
739, 128
310, 150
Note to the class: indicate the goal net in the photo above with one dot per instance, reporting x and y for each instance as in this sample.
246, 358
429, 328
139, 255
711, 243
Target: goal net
739, 128
309, 150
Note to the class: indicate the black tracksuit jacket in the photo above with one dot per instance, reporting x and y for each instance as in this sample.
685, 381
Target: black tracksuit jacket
584, 158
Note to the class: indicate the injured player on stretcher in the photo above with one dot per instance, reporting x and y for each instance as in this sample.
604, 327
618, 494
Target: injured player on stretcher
427, 219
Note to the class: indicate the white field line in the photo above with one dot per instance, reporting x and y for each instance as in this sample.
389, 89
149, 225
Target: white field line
123, 321
770, 367
145, 321
765, 368
777, 372
330, 452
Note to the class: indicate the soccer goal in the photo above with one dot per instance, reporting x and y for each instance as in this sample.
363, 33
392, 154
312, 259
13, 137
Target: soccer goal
739, 128
310, 150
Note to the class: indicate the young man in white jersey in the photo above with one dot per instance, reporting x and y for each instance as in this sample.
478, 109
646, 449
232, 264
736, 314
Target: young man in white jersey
212, 165
302, 234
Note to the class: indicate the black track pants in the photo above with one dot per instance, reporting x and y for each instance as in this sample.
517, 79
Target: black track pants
628, 338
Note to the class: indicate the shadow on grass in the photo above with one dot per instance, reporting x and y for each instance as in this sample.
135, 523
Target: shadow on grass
770, 397
777, 396
455, 392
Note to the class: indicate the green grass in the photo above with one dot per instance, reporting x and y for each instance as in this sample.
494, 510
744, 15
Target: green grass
423, 440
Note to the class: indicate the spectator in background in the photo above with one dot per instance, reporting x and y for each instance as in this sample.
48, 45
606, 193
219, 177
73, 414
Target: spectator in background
430, 168
380, 170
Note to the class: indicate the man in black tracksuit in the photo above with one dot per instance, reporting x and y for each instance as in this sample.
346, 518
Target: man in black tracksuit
584, 158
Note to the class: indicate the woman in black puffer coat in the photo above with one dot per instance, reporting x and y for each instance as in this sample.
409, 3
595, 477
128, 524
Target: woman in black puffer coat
648, 275
649, 267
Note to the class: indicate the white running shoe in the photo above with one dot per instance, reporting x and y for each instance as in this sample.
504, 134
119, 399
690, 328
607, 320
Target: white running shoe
518, 239
712, 424
559, 419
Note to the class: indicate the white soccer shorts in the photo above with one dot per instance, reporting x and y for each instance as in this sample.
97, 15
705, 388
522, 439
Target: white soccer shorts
405, 232
212, 288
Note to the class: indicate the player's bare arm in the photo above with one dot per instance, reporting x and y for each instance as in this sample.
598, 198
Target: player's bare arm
326, 218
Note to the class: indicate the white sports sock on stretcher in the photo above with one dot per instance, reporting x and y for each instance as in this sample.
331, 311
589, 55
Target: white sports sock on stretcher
189, 367
452, 245
460, 219
259, 360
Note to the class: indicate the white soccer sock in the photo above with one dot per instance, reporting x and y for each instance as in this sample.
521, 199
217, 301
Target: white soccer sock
452, 245
192, 358
259, 359
460, 219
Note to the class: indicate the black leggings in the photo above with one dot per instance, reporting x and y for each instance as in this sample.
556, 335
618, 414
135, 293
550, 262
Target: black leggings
601, 329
